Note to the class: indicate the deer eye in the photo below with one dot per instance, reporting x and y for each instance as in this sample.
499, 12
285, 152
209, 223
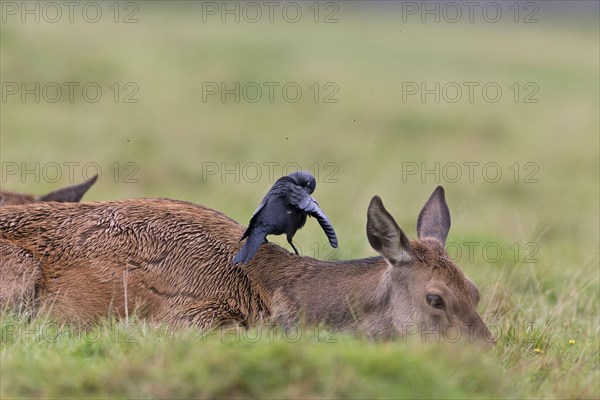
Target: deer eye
435, 301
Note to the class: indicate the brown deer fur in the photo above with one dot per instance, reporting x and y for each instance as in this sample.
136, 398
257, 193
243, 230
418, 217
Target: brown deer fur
20, 273
171, 261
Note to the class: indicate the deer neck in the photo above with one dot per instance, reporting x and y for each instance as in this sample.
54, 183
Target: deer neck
337, 293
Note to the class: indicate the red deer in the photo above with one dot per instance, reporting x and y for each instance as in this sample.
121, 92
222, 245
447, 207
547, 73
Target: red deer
171, 261
20, 273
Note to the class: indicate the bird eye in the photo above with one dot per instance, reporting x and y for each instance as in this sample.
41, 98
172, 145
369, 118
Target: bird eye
435, 301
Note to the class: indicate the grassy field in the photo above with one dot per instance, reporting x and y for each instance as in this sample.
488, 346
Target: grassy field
521, 172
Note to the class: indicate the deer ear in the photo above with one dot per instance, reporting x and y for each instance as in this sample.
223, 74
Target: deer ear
434, 218
384, 234
70, 194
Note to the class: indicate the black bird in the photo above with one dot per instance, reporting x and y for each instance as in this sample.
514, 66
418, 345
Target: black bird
284, 210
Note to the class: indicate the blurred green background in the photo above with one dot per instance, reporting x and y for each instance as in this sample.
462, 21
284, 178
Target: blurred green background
157, 130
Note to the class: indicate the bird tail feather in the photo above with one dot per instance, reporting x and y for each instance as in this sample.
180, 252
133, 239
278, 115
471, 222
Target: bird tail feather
250, 248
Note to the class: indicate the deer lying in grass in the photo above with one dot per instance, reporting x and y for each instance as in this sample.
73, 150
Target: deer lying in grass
170, 261
20, 273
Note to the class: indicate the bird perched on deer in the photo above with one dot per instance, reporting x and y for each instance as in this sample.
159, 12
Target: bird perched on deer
284, 210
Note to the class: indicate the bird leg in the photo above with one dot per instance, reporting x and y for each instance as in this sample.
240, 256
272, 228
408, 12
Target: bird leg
289, 239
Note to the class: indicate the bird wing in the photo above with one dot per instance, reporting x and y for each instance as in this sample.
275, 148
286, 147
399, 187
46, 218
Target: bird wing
260, 207
252, 222
299, 198
279, 189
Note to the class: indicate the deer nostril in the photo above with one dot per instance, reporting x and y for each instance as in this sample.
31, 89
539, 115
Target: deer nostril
489, 344
487, 337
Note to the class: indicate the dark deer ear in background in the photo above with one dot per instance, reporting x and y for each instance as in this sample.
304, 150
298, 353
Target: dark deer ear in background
384, 234
70, 194
434, 218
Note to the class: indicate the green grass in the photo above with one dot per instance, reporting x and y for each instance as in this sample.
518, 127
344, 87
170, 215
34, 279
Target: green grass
260, 363
171, 136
